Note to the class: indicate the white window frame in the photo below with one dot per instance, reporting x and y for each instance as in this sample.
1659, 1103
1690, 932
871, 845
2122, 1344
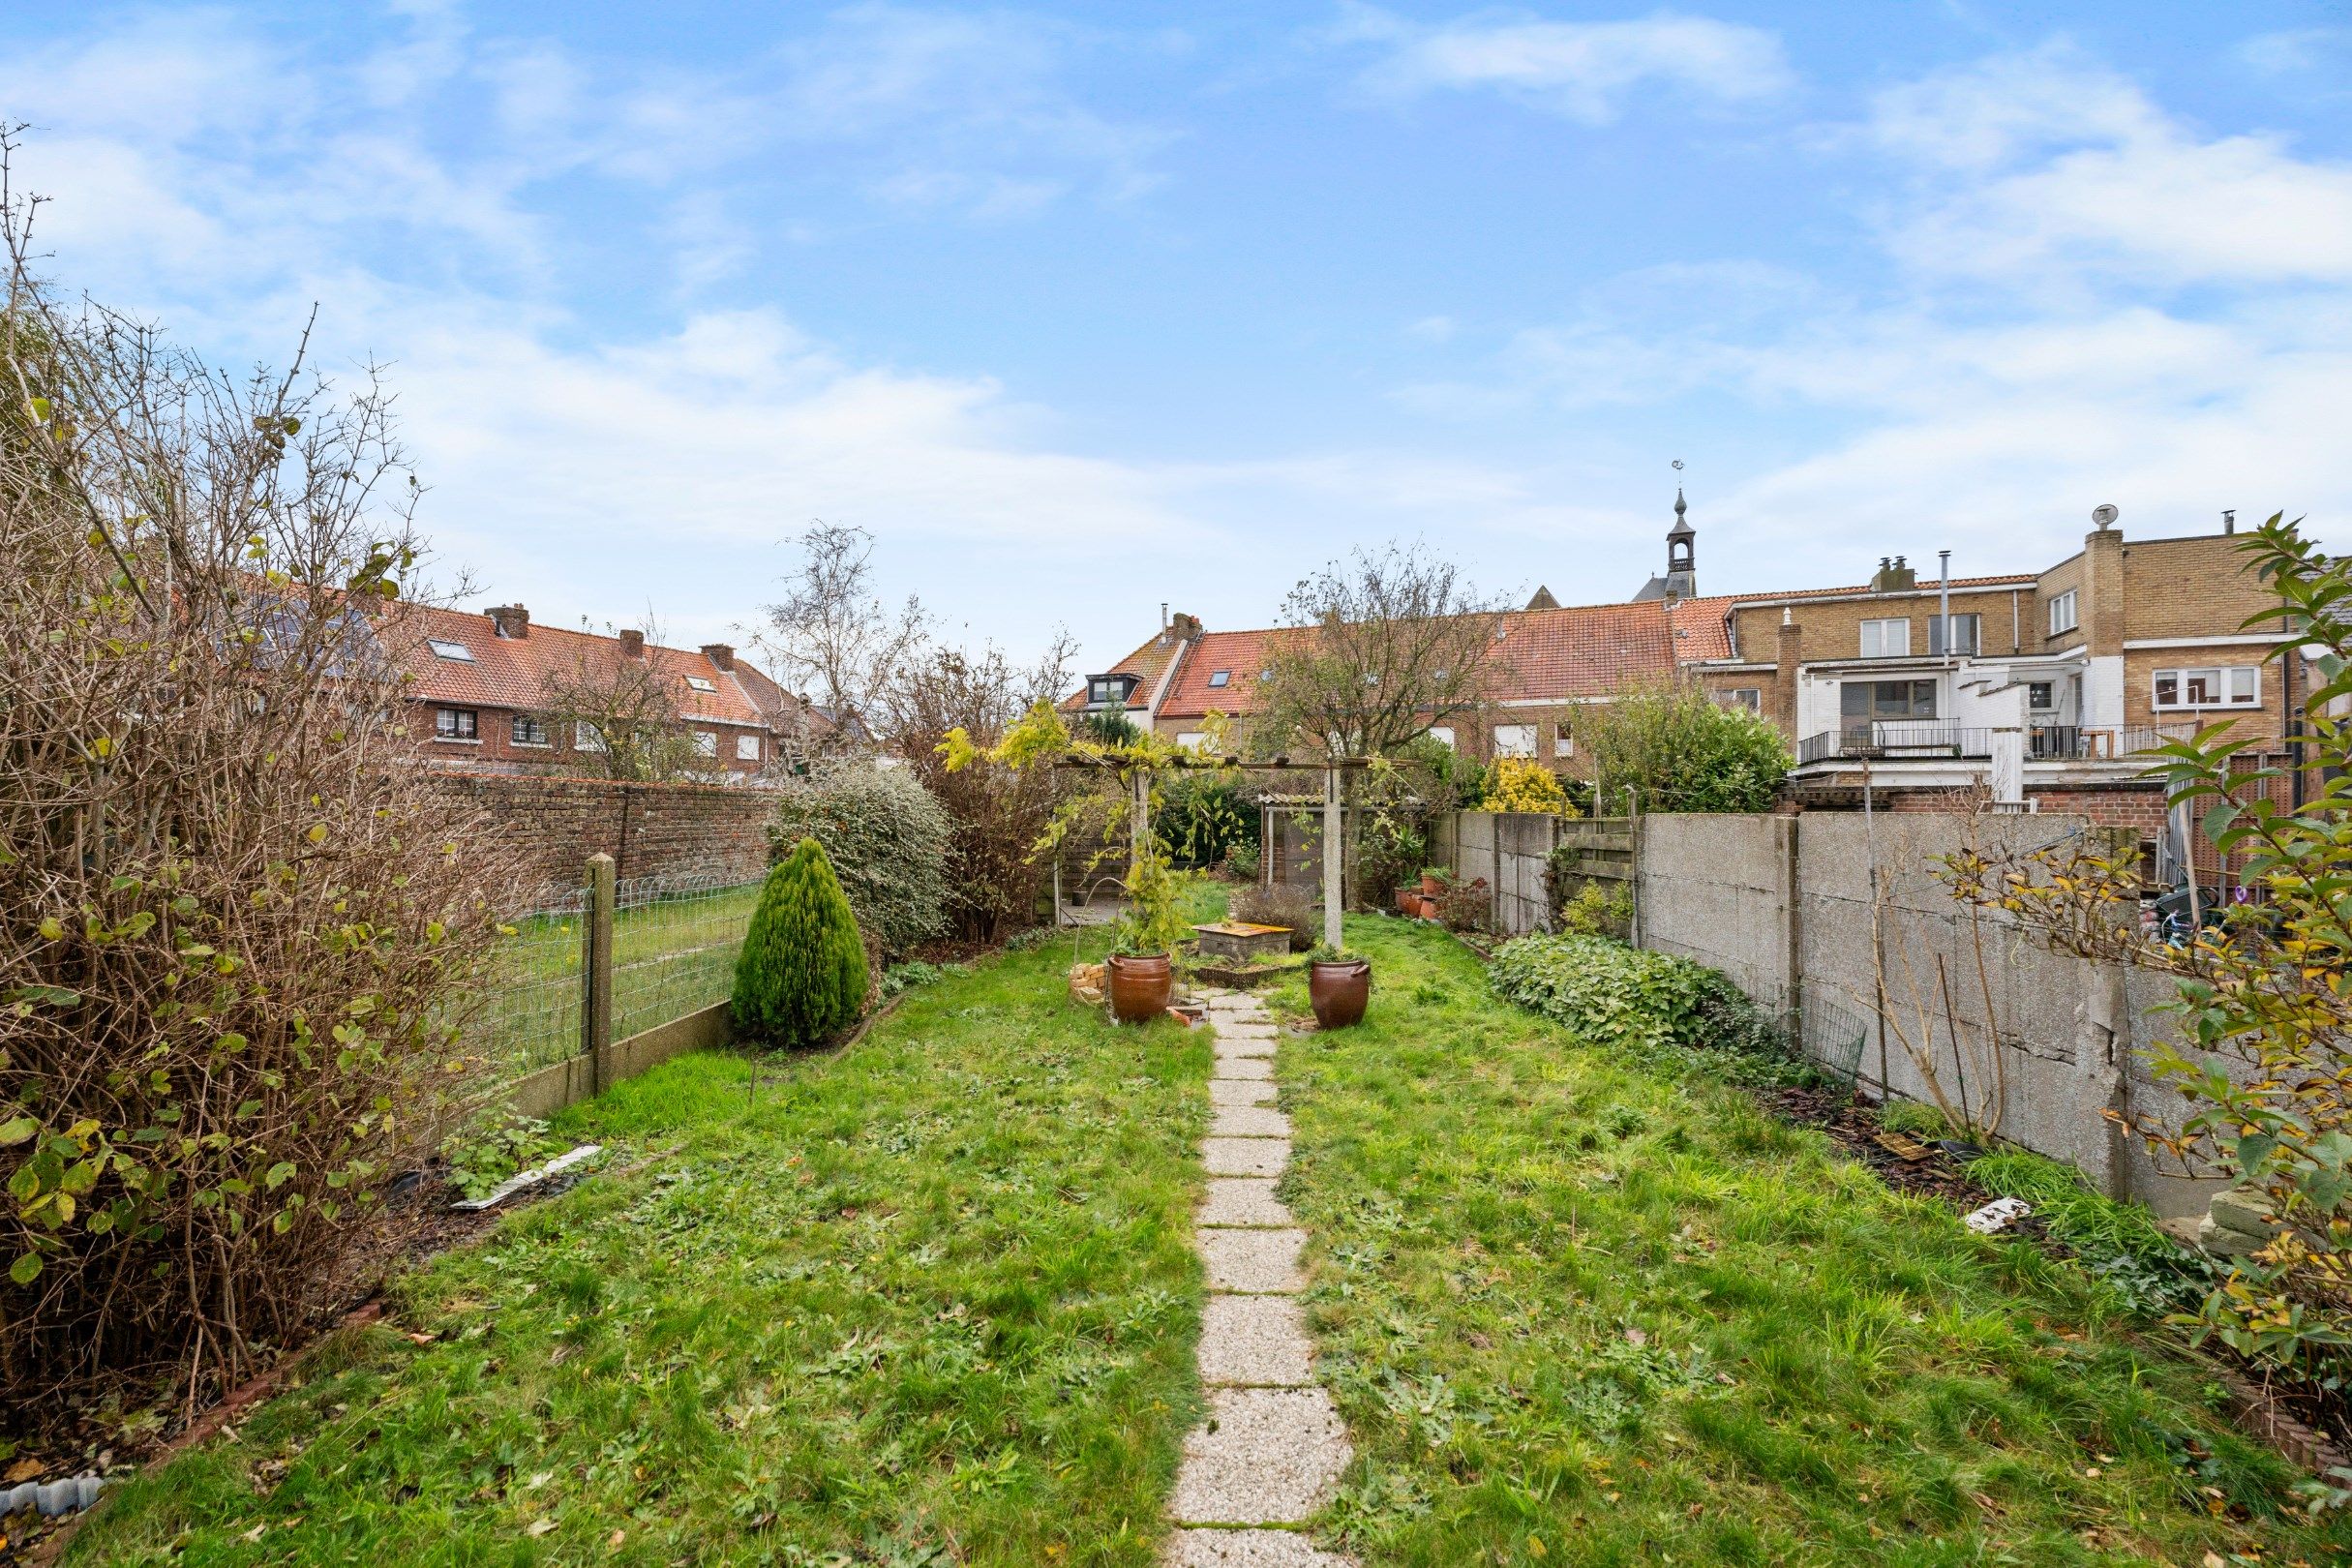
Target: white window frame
1563, 738
2065, 615
586, 736
2227, 679
1901, 649
1220, 678
702, 682
450, 648
1443, 734
515, 731
1515, 739
1191, 739
706, 743
445, 726
746, 749
1750, 698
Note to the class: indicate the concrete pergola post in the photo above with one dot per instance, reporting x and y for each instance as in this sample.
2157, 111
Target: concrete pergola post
1331, 857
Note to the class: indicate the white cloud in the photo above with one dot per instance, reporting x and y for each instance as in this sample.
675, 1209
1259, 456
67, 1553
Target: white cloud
2295, 50
1583, 71
2046, 169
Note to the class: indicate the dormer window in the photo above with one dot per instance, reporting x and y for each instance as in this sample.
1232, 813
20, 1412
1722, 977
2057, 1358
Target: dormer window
1111, 690
1220, 678
444, 649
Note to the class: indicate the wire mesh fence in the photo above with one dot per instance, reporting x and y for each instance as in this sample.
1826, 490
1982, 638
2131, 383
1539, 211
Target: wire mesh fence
1832, 1036
673, 947
530, 1013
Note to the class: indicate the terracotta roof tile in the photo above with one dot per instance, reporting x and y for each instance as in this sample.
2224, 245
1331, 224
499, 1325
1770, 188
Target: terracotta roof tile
513, 672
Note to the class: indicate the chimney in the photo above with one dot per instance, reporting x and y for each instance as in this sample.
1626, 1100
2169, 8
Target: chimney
1788, 656
632, 645
1186, 628
2229, 520
510, 620
720, 655
1895, 577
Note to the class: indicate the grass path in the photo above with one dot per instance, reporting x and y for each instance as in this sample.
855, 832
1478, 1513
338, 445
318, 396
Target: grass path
931, 1299
1575, 1312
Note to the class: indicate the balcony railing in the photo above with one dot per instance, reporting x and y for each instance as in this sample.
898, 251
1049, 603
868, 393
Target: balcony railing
1932, 741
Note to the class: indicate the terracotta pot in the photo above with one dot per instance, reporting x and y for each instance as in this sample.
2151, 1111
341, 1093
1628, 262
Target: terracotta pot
1407, 901
1340, 992
1140, 987
1430, 886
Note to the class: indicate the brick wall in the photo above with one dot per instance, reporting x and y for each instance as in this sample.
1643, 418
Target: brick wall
551, 826
2198, 587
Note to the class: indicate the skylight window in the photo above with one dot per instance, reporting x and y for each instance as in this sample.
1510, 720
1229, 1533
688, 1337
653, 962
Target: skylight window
1220, 678
700, 684
444, 649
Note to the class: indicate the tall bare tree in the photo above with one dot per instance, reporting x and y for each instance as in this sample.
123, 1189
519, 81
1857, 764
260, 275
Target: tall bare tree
623, 711
833, 638
1378, 649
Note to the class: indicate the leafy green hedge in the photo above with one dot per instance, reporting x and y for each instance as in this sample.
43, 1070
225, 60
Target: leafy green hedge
1652, 1004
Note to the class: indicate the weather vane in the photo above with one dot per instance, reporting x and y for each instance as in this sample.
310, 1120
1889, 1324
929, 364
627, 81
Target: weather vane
1677, 464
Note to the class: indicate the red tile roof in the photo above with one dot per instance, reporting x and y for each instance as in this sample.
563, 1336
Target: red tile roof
514, 672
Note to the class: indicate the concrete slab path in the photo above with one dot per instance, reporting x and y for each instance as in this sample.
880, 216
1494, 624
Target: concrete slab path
1273, 1446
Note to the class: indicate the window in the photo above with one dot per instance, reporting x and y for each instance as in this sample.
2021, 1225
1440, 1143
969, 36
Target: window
444, 649
1515, 739
1563, 739
2062, 617
1265, 675
1963, 638
2041, 695
586, 736
1220, 678
1191, 739
706, 743
746, 749
1110, 690
700, 683
529, 730
1886, 639
1443, 734
1750, 698
2238, 685
456, 724
1858, 702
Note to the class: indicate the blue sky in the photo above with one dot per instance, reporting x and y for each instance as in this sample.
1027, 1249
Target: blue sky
1084, 307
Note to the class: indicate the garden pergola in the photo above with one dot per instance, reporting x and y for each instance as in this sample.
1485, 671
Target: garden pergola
1140, 808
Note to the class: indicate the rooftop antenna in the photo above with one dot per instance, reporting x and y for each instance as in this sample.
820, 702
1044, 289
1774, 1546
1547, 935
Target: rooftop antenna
2105, 515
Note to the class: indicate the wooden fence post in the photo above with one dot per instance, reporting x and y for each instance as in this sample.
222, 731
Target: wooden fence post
596, 973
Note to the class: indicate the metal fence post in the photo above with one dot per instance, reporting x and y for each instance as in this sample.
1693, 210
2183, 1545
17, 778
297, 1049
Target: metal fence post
596, 974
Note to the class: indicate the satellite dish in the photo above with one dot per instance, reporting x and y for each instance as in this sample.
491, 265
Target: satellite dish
2105, 515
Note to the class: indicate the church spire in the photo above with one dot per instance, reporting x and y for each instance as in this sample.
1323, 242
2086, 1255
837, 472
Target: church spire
1681, 552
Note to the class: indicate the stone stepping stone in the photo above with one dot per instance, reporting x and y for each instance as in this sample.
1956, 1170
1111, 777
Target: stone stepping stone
1254, 1262
1266, 1456
1230, 1049
1246, 1201
1249, 1122
1256, 1341
1239, 1092
1246, 1549
1246, 1157
1246, 1066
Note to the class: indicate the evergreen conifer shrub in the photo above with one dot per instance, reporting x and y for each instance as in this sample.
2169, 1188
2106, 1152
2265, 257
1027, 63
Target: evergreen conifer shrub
801, 976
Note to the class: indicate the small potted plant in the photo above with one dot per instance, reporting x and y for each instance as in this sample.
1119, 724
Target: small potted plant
1339, 985
1433, 879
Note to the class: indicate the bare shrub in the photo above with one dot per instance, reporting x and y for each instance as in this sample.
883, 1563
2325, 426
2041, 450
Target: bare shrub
1293, 907
234, 935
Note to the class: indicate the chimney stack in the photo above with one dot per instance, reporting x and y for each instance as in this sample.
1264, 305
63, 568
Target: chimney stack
632, 645
1185, 628
2229, 520
510, 621
720, 655
1895, 577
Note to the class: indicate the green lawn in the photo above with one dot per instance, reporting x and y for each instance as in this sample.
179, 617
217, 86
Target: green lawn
1574, 1311
931, 1299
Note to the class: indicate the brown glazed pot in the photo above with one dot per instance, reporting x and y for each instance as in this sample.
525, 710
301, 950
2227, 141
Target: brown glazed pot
1340, 992
1140, 987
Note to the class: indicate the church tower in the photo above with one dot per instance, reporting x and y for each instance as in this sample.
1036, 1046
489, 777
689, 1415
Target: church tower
1681, 578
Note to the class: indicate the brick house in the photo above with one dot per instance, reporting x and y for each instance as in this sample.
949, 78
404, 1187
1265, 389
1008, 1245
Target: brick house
2052, 677
481, 687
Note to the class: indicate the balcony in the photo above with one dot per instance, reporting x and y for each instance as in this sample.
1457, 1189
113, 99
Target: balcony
1932, 741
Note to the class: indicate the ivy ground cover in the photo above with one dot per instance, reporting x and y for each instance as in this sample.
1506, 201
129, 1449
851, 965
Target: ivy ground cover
1592, 1305
928, 1300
